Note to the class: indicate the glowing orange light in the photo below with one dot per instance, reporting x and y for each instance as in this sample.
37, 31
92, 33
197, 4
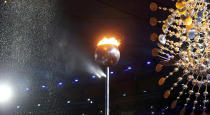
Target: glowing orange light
111, 41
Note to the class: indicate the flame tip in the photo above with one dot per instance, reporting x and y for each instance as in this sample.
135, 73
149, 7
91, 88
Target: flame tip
111, 41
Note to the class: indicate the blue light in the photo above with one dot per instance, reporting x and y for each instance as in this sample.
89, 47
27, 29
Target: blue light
76, 80
38, 105
148, 63
59, 84
18, 107
124, 94
93, 77
43, 86
68, 102
111, 72
129, 68
145, 91
88, 99
26, 89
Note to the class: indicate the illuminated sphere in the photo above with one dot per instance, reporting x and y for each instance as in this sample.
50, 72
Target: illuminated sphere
107, 54
153, 6
180, 4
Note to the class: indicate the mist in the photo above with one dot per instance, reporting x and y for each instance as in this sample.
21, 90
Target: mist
35, 38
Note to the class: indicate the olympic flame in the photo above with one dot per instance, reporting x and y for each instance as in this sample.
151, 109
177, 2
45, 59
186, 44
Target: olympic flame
106, 41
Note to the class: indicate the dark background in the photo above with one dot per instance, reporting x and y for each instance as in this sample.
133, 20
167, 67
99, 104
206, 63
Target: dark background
44, 44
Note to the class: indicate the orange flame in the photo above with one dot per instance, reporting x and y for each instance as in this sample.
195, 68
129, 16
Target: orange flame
111, 41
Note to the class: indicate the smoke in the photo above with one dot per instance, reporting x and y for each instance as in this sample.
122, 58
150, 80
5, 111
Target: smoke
74, 57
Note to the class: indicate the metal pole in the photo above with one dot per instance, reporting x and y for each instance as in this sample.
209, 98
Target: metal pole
107, 93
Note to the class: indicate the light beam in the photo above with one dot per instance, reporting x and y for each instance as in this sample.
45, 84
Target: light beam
5, 93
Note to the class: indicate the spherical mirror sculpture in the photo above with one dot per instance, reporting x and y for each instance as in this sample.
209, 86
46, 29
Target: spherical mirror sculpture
107, 52
184, 44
